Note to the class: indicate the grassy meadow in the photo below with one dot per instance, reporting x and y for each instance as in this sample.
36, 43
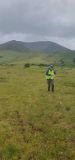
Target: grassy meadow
36, 124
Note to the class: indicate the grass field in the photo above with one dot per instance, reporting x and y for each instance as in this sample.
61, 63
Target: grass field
36, 124
17, 57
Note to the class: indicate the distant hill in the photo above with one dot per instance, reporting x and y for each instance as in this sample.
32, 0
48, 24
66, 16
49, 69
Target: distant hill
14, 46
35, 52
40, 46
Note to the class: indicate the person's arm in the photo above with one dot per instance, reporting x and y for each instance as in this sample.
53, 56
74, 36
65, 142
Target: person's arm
47, 71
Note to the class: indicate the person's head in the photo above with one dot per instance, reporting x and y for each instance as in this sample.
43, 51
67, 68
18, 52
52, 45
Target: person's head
51, 67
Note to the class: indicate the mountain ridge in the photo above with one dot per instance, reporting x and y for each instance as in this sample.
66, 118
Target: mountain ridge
37, 46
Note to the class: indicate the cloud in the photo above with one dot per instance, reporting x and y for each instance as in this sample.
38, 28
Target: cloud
31, 20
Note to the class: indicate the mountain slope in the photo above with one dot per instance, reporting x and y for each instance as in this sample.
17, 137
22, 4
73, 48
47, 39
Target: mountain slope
35, 52
14, 46
40, 46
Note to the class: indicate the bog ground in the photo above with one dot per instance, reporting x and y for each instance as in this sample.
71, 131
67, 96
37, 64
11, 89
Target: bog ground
35, 124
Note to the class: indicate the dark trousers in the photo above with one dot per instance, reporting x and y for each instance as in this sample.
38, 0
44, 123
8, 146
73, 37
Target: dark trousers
50, 83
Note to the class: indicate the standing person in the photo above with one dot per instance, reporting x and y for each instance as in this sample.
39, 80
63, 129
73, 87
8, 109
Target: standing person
50, 73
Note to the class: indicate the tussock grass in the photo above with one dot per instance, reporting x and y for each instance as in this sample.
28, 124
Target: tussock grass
36, 124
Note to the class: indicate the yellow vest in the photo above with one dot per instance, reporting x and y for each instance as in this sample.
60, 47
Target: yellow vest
50, 74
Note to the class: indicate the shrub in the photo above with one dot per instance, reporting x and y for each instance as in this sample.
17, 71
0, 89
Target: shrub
27, 65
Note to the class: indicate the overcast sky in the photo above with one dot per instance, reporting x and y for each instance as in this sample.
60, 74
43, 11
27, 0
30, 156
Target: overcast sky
34, 20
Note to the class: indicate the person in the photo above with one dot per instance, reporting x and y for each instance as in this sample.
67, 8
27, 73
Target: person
50, 73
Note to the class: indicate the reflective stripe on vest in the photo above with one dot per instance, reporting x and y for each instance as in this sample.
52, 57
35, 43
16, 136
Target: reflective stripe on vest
50, 74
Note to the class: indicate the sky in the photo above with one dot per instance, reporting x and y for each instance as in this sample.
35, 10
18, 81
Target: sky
38, 20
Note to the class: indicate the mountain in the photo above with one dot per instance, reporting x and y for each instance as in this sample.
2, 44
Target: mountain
35, 52
14, 46
40, 46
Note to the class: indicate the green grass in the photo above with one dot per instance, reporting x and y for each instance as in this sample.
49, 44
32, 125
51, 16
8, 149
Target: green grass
21, 57
36, 57
35, 124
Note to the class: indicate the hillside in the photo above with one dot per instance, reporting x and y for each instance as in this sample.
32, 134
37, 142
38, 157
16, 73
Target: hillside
40, 46
14, 46
36, 124
35, 52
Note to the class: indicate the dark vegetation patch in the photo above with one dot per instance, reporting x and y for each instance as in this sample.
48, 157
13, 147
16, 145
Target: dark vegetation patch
1, 56
3, 79
10, 151
27, 65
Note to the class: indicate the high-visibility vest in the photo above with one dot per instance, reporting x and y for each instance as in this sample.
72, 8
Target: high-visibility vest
50, 74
